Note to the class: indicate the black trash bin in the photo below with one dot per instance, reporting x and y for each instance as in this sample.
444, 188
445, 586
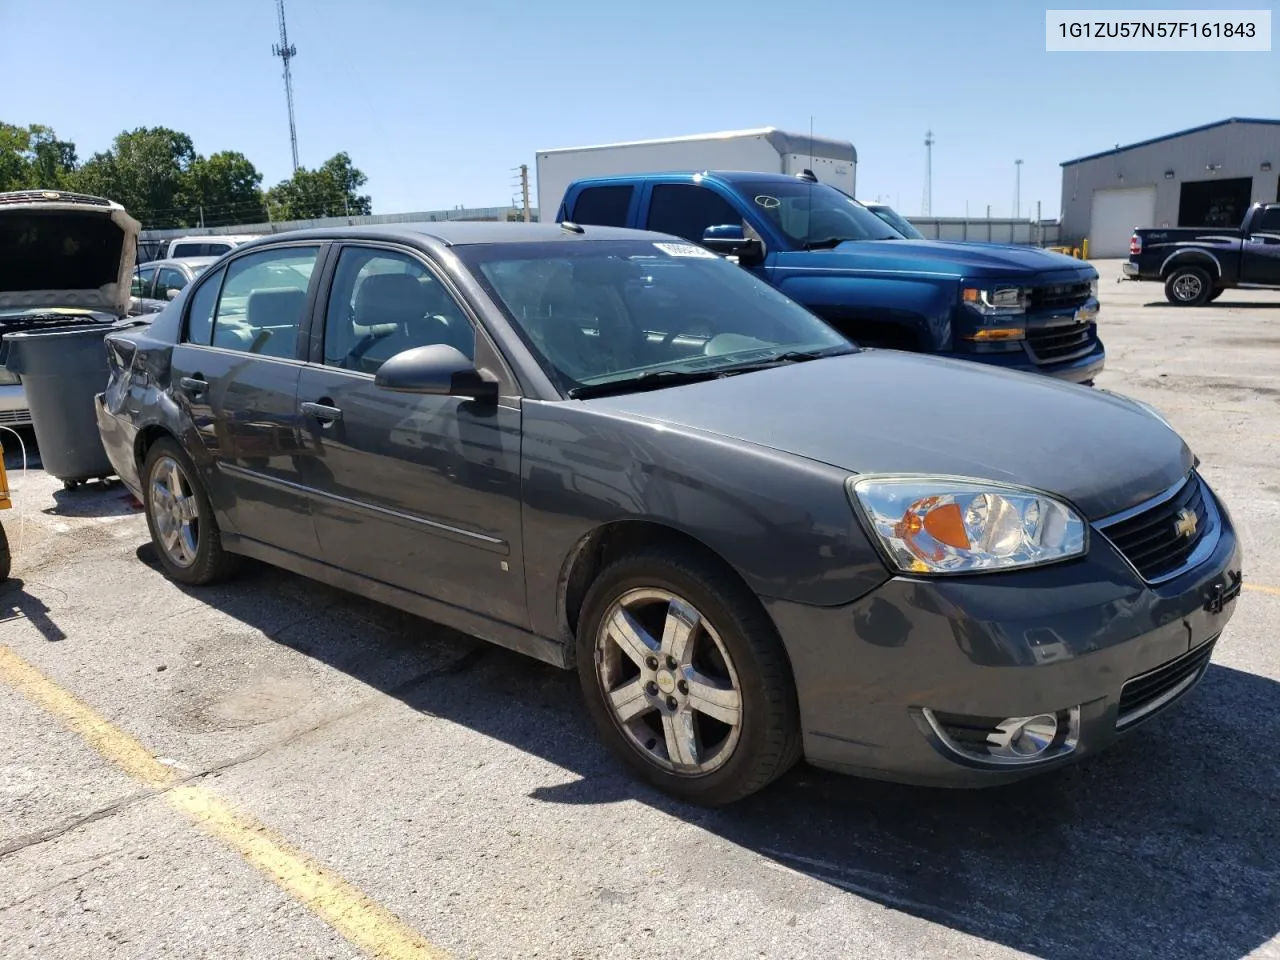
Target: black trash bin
62, 368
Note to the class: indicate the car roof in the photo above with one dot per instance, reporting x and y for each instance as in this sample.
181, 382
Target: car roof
725, 176
456, 233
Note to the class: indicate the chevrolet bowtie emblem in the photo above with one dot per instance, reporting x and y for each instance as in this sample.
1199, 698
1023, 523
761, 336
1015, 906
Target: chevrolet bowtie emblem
1186, 522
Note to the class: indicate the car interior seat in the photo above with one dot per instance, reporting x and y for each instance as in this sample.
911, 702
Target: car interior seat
391, 315
273, 317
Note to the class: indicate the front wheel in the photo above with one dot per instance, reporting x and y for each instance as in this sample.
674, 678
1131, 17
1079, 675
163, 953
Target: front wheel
1188, 287
686, 678
180, 518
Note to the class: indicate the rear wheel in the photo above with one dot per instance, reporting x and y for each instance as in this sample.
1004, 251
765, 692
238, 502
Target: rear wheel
180, 518
1188, 286
686, 678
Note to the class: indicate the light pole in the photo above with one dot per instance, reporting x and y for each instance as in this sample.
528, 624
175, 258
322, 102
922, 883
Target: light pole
1017, 189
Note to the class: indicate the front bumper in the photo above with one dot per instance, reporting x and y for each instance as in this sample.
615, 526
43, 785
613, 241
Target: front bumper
1017, 644
13, 406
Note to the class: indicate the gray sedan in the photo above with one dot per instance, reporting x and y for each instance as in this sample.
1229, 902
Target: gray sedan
618, 453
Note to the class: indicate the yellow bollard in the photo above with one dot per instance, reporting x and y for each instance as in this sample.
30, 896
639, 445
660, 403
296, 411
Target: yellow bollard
1085, 246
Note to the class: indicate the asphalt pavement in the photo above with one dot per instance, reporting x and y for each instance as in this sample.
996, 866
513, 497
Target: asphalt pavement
272, 768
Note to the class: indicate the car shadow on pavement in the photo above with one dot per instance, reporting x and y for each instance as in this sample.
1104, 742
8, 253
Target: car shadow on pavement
1223, 305
94, 499
1163, 847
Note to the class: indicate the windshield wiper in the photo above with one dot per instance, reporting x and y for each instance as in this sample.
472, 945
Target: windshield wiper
653, 380
792, 356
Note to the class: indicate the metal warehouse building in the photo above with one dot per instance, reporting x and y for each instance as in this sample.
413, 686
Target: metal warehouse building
1203, 177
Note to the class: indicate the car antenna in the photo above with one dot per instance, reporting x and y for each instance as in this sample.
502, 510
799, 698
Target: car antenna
571, 226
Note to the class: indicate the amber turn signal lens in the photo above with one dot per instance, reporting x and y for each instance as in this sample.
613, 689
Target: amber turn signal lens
946, 525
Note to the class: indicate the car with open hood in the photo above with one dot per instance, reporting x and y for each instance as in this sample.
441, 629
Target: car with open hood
65, 259
619, 453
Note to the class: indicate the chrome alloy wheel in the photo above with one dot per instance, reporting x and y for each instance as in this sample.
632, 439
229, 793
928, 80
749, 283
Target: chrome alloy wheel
668, 679
174, 513
1187, 287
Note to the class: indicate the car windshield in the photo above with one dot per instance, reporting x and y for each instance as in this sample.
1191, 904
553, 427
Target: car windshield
897, 221
815, 215
612, 312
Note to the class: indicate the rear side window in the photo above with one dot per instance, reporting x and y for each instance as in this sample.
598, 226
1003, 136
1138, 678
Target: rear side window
687, 211
1269, 222
603, 206
262, 303
200, 311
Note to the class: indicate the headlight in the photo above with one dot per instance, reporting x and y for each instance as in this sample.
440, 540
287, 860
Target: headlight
1093, 288
7, 378
997, 301
966, 526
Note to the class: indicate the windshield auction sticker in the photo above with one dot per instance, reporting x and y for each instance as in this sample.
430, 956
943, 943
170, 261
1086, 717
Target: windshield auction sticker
1173, 31
685, 250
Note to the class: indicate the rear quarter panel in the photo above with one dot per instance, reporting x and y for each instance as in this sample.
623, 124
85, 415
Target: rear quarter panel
1215, 248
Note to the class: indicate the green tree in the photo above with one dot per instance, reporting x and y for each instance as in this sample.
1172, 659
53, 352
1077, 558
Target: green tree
331, 190
225, 188
32, 157
146, 170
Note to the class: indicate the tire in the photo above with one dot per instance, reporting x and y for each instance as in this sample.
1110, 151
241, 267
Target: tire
190, 552
1188, 286
1217, 292
733, 647
6, 556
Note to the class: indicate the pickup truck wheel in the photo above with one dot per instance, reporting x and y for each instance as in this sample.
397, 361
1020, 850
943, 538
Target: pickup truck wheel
686, 678
1188, 286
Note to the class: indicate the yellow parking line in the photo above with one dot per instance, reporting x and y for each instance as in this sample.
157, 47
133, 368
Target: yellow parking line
1275, 591
350, 912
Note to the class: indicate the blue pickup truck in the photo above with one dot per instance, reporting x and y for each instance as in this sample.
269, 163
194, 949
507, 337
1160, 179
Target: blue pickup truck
1017, 307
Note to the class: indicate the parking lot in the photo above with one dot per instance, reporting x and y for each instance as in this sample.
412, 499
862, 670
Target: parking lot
272, 768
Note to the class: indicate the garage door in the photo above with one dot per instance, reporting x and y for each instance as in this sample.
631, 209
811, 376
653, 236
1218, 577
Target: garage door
1116, 213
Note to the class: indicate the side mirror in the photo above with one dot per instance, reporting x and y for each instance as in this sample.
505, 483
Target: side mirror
436, 370
729, 240
172, 293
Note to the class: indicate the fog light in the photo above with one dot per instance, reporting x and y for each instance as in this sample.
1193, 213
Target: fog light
1023, 738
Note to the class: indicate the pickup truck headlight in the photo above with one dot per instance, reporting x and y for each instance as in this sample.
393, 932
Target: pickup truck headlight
997, 301
956, 526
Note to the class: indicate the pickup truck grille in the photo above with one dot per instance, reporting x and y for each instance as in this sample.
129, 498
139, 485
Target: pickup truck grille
1060, 343
1155, 541
1060, 296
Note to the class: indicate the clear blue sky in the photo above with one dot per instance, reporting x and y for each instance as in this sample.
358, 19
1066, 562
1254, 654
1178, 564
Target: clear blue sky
436, 101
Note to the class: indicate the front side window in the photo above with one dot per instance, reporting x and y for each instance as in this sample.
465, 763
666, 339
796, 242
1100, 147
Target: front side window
260, 308
687, 211
170, 278
384, 302
814, 216
609, 311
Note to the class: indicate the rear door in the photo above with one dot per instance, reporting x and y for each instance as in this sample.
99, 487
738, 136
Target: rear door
420, 492
1260, 253
236, 373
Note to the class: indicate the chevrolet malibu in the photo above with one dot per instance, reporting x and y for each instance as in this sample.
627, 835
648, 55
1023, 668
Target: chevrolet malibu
618, 453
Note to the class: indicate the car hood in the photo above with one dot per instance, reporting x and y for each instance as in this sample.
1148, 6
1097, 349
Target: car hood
883, 411
948, 258
56, 251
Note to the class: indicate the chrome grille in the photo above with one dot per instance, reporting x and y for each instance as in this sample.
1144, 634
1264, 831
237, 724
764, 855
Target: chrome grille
38, 196
1160, 540
1150, 692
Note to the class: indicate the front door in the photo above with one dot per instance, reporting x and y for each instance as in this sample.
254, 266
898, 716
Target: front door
236, 372
419, 492
1260, 257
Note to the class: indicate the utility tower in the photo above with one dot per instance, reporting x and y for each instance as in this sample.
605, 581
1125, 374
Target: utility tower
522, 184
926, 206
286, 52
1017, 189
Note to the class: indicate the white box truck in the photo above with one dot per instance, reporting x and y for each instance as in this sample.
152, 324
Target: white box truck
767, 150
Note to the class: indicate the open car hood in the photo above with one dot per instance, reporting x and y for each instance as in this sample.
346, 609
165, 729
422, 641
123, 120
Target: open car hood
65, 250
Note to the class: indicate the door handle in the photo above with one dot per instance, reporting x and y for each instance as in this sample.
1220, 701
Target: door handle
193, 386
322, 412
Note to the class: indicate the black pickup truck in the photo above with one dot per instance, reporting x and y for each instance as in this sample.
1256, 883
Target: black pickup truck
1197, 263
